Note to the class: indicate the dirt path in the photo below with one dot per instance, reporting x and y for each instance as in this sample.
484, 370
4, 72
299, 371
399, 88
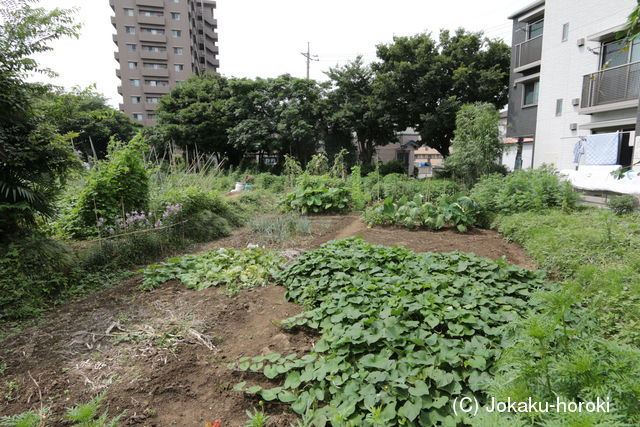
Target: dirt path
162, 355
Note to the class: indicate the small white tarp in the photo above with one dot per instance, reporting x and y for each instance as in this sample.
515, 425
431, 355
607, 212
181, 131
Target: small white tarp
599, 178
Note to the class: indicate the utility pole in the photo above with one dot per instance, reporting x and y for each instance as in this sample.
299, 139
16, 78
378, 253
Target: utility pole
309, 58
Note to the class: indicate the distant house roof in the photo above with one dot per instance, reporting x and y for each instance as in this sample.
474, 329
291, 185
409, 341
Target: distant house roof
526, 9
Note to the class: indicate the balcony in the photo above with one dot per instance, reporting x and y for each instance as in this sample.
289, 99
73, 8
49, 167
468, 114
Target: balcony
157, 89
155, 72
155, 38
152, 20
528, 54
152, 3
145, 54
613, 88
211, 34
151, 106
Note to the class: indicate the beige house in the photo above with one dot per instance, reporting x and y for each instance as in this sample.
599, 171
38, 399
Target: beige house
409, 151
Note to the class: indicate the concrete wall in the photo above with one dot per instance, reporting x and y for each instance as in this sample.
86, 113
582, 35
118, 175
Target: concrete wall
563, 66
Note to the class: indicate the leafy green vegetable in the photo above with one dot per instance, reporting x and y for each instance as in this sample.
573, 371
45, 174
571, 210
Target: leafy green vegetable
448, 211
402, 334
235, 269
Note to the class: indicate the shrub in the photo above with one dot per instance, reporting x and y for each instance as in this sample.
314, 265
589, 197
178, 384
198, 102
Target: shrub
524, 190
318, 195
476, 145
402, 334
448, 211
203, 216
33, 271
621, 205
392, 167
115, 186
274, 183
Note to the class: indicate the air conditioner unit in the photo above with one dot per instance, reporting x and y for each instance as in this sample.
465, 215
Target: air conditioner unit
575, 102
573, 126
581, 42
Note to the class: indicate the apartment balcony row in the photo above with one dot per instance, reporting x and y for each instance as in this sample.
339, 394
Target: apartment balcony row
150, 3
161, 90
528, 54
151, 20
158, 56
612, 88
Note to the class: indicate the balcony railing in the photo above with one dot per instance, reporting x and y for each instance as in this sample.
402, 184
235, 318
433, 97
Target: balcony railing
612, 85
528, 52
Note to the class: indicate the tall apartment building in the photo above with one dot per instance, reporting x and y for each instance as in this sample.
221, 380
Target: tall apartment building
160, 44
572, 76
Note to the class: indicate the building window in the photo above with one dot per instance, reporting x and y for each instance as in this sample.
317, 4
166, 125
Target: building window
614, 54
150, 13
174, 1
131, 47
178, 67
135, 100
133, 65
130, 30
535, 29
155, 66
151, 116
154, 48
128, 12
558, 107
175, 16
565, 32
135, 82
531, 90
618, 53
176, 33
137, 117
153, 99
155, 83
156, 31
177, 50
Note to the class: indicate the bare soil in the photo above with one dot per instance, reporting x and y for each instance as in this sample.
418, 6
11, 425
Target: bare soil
162, 355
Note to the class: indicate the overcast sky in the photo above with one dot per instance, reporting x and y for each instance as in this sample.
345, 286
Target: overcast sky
265, 38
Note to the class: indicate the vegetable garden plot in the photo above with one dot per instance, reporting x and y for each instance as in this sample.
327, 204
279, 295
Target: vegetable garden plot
403, 334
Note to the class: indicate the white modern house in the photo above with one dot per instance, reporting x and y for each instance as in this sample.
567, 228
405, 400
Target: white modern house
574, 86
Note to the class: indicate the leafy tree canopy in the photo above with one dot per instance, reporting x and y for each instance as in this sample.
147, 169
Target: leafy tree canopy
86, 113
425, 82
34, 159
356, 106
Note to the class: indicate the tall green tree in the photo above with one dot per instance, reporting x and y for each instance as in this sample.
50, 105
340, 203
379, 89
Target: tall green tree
34, 159
195, 116
355, 106
282, 115
86, 113
426, 81
476, 146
